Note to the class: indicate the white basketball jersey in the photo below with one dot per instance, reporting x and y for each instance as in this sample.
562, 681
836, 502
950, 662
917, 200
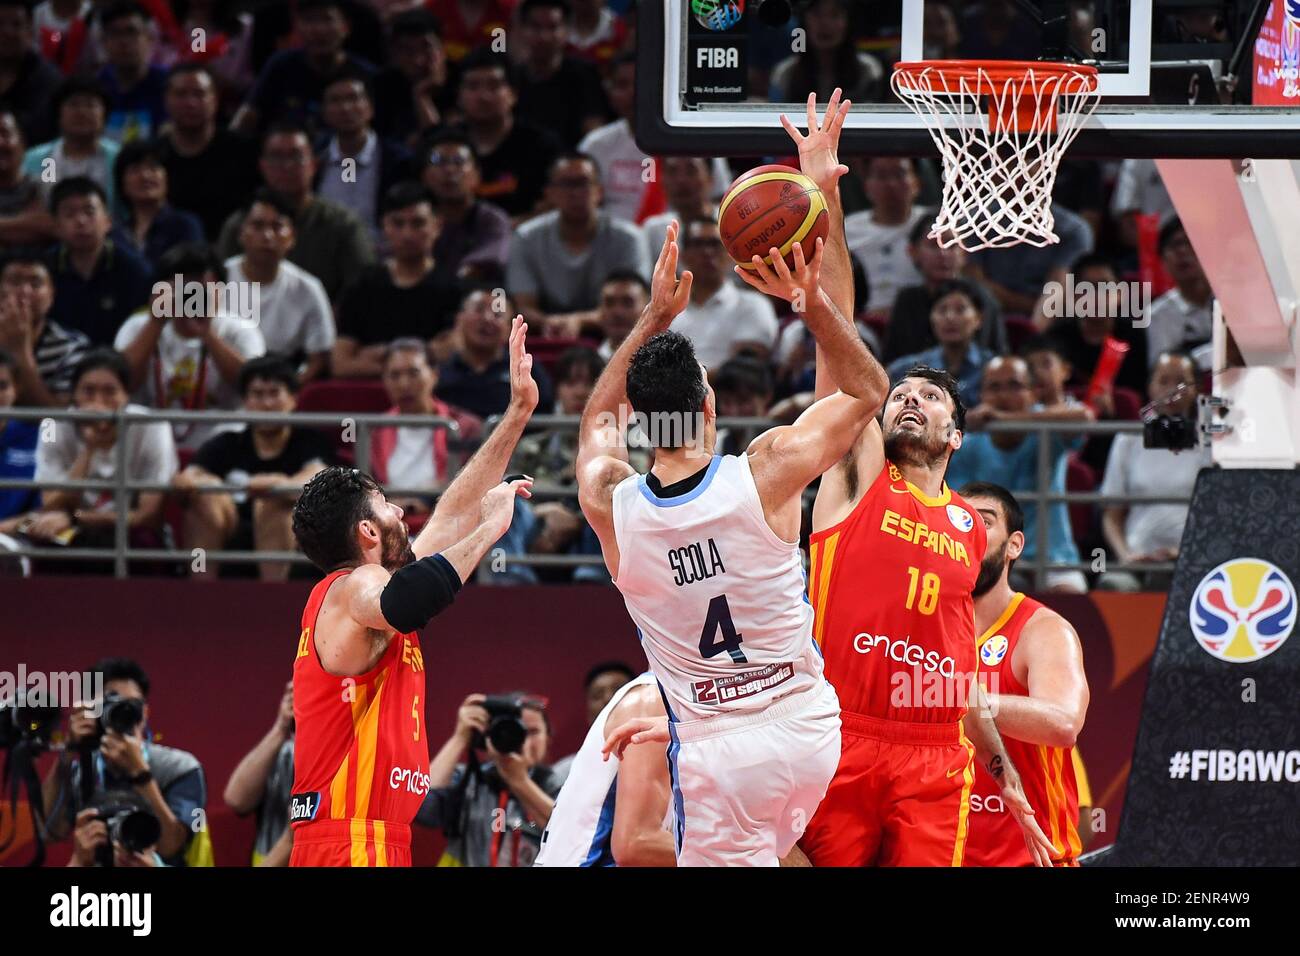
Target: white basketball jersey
582, 821
719, 600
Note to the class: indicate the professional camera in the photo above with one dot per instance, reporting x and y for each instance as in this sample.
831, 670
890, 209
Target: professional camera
30, 724
1183, 431
129, 827
506, 728
119, 713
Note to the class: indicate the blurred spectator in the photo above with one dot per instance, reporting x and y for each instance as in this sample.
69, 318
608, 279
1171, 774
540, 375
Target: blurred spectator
96, 284
743, 388
474, 235
87, 450
271, 461
198, 153
227, 49
878, 237
548, 456
17, 452
1049, 371
1080, 189
332, 243
940, 35
909, 328
89, 49
832, 59
262, 783
1139, 190
292, 83
598, 687
277, 27
60, 30
30, 80
150, 225
493, 812
1018, 277
1182, 318
623, 297
559, 259
41, 353
128, 768
1083, 336
356, 167
24, 218
405, 296
414, 456
513, 157
471, 24
81, 148
293, 311
412, 93
1010, 459
624, 168
1142, 533
596, 33
557, 92
476, 376
134, 87
956, 320
721, 318
179, 359
687, 183
997, 30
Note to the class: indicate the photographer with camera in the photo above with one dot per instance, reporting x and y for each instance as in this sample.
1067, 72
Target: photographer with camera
113, 786
262, 783
493, 811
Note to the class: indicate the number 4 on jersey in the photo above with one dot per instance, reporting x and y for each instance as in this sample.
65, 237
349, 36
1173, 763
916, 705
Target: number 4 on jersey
719, 619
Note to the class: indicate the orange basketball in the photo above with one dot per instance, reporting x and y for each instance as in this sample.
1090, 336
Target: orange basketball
772, 206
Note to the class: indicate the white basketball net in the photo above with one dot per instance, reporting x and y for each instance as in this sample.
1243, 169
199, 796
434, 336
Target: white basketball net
998, 171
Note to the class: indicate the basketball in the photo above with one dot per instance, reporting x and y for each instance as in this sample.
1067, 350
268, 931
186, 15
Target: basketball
772, 206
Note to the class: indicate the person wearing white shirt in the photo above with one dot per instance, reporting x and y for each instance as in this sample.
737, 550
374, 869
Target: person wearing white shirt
293, 310
1182, 318
1139, 190
1141, 533
721, 318
878, 236
688, 184
180, 360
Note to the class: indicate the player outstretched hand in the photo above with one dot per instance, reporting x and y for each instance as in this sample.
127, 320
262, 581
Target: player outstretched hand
523, 390
1040, 847
668, 292
498, 506
819, 150
638, 730
800, 288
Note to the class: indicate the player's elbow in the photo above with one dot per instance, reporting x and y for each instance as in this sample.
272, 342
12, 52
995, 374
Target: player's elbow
1065, 733
238, 799
630, 848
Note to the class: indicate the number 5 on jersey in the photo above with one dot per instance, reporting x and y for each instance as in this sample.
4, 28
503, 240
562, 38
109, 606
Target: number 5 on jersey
717, 620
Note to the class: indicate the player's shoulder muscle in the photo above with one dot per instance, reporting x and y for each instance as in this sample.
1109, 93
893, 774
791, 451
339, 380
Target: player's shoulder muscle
843, 486
1048, 634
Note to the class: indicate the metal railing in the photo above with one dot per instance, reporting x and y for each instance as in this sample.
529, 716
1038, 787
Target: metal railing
362, 426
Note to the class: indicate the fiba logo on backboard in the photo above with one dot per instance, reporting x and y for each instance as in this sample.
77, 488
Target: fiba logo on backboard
718, 14
1243, 610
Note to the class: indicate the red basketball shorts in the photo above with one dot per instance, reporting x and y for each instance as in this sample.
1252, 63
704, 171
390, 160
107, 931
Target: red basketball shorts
355, 842
900, 797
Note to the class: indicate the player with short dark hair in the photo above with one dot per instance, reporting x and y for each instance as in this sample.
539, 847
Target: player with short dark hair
362, 759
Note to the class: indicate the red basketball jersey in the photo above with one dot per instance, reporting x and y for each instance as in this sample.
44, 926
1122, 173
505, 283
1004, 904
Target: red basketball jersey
1047, 773
891, 589
360, 751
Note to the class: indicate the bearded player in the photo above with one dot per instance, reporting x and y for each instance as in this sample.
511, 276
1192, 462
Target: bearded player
1031, 666
894, 556
361, 760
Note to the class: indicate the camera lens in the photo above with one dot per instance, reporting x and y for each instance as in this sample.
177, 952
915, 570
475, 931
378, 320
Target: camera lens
507, 734
138, 831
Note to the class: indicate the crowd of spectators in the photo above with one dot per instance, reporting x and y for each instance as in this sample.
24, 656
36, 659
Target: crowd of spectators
376, 188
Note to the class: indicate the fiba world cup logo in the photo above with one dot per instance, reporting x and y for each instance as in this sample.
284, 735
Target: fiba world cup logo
1243, 610
725, 14
1290, 71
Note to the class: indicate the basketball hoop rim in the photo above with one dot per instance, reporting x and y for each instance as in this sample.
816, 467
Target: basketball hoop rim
1000, 72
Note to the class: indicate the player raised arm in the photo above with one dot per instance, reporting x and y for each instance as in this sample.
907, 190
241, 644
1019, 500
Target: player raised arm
819, 160
785, 459
457, 512
983, 734
1053, 712
602, 444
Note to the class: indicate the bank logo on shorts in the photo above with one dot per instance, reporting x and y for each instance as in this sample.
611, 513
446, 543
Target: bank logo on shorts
960, 518
993, 650
718, 14
1243, 610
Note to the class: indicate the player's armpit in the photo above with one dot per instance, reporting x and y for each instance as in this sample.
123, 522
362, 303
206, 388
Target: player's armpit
844, 484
